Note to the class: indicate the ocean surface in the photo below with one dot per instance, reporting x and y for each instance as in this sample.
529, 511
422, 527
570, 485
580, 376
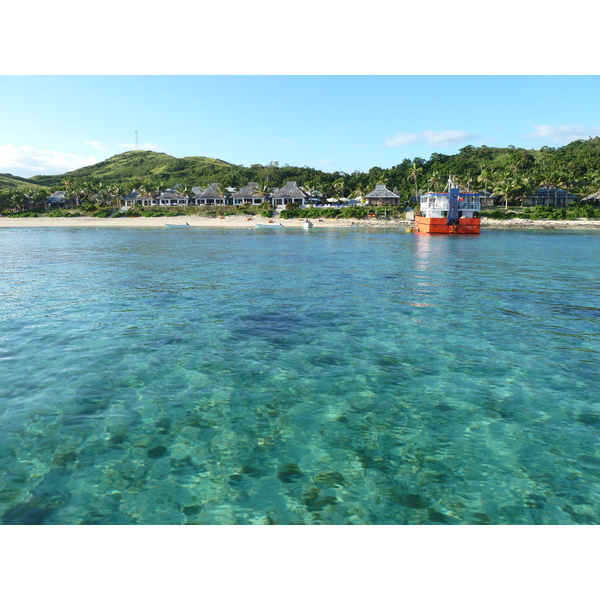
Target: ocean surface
324, 376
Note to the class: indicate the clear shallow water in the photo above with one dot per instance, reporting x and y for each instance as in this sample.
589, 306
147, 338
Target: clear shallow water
289, 377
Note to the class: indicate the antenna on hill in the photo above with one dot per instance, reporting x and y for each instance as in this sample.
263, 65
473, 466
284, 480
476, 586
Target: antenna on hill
137, 146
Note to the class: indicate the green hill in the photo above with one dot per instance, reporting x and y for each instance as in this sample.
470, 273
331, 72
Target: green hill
511, 172
8, 181
139, 165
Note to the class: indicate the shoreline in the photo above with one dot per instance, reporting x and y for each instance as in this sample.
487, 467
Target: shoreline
243, 221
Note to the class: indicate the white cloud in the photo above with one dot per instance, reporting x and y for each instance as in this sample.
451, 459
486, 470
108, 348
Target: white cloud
433, 138
562, 134
27, 161
95, 144
403, 139
154, 147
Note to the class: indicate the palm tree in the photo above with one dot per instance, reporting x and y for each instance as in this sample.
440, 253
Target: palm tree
511, 187
414, 173
146, 190
468, 181
339, 185
69, 187
224, 191
434, 181
39, 196
17, 201
117, 194
264, 189
68, 184
185, 191
358, 192
86, 190
484, 177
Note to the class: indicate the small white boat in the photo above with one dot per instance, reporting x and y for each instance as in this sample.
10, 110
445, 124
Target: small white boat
307, 225
267, 225
173, 225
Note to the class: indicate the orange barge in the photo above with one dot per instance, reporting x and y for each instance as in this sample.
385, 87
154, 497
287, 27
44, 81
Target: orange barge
448, 213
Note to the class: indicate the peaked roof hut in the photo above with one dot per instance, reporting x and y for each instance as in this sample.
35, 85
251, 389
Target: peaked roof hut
290, 192
172, 197
248, 194
59, 200
382, 196
211, 195
593, 197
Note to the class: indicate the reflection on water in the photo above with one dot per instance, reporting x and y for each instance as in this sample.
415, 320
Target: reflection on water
341, 377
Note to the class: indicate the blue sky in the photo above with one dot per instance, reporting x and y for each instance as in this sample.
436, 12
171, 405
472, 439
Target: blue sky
53, 124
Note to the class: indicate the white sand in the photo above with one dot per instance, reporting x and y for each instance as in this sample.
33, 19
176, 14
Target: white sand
243, 221
194, 221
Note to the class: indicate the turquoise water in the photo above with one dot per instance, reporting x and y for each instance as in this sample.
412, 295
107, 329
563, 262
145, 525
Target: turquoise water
218, 376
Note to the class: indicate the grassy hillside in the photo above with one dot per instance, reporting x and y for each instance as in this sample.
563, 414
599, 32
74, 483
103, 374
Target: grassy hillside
138, 165
8, 181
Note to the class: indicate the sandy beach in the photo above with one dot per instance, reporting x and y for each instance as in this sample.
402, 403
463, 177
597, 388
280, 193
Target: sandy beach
243, 221
194, 221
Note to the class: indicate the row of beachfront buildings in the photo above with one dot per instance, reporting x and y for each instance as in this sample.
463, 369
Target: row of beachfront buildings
290, 193
214, 195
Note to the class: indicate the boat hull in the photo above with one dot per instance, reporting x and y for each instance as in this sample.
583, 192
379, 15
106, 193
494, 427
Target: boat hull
434, 225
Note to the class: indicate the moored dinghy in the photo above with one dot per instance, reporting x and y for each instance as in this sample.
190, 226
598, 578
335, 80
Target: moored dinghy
175, 225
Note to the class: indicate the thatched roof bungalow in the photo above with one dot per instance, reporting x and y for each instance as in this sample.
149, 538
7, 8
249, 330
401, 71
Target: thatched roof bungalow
59, 200
593, 197
172, 197
248, 195
290, 193
381, 196
211, 195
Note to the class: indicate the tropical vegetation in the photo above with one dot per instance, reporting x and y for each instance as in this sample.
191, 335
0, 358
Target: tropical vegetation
511, 174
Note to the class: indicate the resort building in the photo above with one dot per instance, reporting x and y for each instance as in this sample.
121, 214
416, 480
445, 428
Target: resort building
131, 199
290, 193
59, 200
211, 195
248, 195
172, 197
381, 196
593, 197
550, 196
487, 198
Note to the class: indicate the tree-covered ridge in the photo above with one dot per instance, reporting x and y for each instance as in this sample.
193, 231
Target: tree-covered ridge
510, 173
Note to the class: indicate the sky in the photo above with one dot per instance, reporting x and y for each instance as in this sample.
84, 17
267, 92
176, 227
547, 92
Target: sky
51, 124
318, 84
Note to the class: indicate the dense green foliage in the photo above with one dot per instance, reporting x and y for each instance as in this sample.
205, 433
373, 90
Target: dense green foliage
570, 213
510, 173
348, 212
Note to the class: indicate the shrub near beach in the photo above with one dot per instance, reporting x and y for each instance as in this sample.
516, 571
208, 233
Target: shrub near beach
347, 212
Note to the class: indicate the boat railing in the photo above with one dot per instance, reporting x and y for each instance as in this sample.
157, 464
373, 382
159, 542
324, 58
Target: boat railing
443, 204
